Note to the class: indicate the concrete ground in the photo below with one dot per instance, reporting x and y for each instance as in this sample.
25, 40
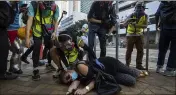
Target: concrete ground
153, 84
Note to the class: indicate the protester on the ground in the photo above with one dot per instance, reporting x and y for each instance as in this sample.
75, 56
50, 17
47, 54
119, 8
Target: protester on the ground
136, 23
102, 18
84, 74
42, 18
68, 52
7, 16
167, 25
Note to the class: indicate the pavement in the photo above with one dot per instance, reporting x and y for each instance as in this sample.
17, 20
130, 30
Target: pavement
153, 84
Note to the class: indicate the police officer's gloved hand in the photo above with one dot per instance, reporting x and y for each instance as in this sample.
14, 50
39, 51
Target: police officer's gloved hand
99, 64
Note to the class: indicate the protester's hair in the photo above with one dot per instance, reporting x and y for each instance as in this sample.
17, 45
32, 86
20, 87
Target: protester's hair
64, 38
62, 76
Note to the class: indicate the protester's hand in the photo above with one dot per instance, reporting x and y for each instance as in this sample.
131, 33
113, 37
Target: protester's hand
27, 42
99, 64
68, 93
111, 30
82, 91
157, 28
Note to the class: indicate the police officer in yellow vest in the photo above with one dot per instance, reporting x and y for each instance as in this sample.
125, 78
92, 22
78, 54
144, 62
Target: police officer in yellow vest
68, 53
136, 23
49, 13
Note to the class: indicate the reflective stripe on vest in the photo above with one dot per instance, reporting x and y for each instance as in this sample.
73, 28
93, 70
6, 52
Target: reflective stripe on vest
37, 31
72, 55
131, 29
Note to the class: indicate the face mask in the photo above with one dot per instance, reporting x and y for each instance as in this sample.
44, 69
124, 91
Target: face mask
69, 46
74, 76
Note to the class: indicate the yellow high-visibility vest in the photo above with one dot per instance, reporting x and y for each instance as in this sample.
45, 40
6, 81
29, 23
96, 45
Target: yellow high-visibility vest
131, 29
37, 31
72, 55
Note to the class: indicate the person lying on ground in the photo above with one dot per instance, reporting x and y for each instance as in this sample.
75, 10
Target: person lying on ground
85, 74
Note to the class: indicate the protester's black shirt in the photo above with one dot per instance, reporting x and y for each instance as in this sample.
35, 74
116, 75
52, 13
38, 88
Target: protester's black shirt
110, 64
102, 12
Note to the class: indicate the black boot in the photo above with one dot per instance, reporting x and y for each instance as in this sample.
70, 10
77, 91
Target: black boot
140, 67
36, 75
13, 70
24, 59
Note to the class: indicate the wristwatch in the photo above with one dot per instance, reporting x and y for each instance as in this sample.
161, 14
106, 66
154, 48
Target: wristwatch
87, 88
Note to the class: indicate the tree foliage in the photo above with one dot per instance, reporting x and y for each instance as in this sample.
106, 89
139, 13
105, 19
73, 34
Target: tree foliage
74, 29
77, 26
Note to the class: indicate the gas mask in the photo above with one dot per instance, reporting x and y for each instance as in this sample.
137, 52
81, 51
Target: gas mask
47, 5
68, 45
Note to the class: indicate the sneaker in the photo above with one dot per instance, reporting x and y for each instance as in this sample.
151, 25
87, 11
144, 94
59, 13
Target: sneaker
140, 67
168, 73
16, 71
159, 70
8, 76
25, 60
36, 75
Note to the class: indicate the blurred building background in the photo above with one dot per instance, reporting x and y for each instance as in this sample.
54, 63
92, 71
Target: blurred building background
78, 10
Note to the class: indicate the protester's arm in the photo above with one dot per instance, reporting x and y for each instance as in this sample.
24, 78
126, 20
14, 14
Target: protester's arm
55, 23
91, 12
94, 20
29, 24
91, 53
113, 17
157, 16
86, 89
83, 69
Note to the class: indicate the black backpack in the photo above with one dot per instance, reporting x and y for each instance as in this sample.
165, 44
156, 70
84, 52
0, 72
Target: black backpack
105, 84
168, 12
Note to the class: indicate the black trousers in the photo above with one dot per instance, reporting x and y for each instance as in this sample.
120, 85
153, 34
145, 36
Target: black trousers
36, 51
46, 52
4, 50
123, 74
48, 45
28, 51
167, 38
101, 32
